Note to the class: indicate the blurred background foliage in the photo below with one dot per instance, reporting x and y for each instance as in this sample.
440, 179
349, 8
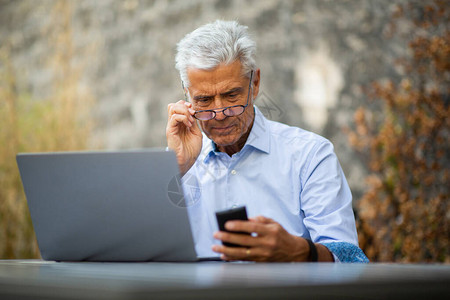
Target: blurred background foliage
57, 123
404, 215
98, 74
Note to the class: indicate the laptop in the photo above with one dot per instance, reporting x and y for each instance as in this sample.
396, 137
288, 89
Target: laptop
108, 206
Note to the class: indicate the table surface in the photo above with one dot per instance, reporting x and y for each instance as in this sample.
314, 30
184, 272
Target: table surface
37, 279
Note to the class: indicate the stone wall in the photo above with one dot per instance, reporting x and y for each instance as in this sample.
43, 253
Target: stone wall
316, 57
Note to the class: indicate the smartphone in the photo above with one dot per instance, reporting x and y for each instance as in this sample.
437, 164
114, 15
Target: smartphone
238, 213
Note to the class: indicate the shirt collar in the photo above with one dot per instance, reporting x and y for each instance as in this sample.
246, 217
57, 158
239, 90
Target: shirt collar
259, 137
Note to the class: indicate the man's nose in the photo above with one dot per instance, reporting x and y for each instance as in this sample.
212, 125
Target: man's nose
219, 112
220, 115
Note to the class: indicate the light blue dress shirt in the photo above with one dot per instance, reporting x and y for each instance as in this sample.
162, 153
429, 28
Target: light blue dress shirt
285, 173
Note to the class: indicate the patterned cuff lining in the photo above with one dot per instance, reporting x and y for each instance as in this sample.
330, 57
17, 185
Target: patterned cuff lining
346, 252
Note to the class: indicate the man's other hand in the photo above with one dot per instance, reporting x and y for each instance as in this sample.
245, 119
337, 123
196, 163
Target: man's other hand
183, 134
268, 242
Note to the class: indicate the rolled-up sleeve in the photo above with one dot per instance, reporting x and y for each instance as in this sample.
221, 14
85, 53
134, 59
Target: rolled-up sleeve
326, 199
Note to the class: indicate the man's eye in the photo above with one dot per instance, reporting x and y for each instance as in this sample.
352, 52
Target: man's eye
233, 96
202, 102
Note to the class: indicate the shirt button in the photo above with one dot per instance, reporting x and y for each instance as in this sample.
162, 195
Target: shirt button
233, 172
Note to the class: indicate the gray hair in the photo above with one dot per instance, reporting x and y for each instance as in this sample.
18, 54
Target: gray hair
215, 43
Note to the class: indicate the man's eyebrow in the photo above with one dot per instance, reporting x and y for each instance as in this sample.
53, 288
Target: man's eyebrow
203, 97
235, 90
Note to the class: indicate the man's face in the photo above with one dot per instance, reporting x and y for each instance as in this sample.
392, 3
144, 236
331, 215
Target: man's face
218, 88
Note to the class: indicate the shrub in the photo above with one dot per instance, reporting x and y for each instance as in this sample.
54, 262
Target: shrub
404, 215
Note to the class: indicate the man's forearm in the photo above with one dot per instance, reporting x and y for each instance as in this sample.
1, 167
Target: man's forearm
323, 254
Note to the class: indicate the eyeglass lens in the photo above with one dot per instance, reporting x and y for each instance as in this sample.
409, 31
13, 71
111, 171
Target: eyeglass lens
229, 112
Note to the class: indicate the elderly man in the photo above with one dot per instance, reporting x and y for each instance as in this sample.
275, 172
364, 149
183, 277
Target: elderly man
289, 179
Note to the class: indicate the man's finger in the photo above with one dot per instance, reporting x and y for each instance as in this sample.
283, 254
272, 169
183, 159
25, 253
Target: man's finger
237, 253
171, 105
262, 219
236, 238
247, 226
175, 119
181, 107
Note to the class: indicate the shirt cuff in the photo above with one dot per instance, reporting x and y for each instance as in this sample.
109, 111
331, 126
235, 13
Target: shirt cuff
346, 252
336, 259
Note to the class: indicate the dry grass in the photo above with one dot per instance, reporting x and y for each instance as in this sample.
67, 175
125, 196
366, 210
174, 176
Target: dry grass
60, 122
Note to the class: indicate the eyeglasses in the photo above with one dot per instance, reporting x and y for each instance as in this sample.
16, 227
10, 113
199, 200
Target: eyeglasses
229, 111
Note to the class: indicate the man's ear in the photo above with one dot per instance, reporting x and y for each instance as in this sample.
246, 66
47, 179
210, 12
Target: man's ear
256, 82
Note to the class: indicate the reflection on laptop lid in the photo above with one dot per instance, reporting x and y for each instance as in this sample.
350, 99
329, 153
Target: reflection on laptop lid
107, 206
